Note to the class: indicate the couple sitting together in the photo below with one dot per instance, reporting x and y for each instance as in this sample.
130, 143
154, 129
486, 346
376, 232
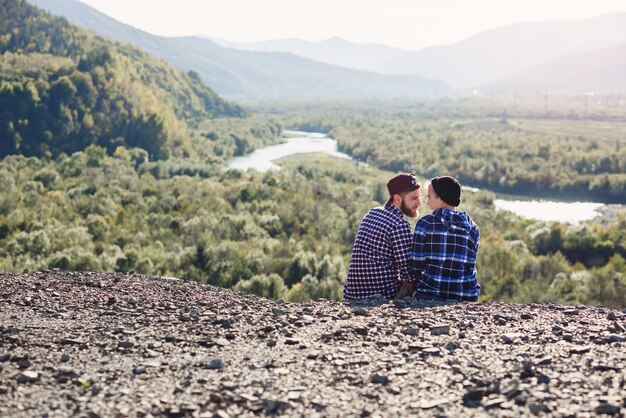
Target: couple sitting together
436, 261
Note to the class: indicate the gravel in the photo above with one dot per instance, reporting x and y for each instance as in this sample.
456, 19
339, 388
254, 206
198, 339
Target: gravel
103, 344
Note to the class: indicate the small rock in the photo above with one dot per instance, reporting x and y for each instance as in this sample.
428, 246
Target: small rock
474, 396
509, 338
494, 403
400, 304
359, 311
66, 375
509, 388
611, 316
607, 409
65, 358
125, 344
431, 351
545, 361
281, 371
28, 377
292, 341
313, 355
361, 331
570, 312
271, 343
580, 350
23, 363
71, 341
379, 379
410, 331
543, 379
215, 364
538, 408
440, 329
139, 370
452, 345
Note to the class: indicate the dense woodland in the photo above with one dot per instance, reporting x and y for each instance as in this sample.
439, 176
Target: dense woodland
285, 234
114, 161
63, 88
575, 152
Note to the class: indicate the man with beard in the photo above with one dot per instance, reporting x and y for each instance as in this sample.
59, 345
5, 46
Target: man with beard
380, 255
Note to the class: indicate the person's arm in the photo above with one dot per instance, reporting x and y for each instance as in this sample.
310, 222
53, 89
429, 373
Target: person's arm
401, 247
417, 256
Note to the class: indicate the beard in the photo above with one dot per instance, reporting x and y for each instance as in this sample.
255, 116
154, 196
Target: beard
407, 211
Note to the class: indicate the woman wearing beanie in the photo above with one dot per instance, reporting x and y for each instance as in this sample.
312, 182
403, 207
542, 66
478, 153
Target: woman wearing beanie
445, 247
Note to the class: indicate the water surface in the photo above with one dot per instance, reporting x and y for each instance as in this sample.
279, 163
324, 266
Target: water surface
297, 143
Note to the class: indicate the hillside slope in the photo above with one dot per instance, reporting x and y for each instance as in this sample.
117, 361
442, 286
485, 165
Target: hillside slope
97, 344
64, 88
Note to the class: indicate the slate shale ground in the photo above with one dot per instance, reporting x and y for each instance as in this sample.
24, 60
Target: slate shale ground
106, 345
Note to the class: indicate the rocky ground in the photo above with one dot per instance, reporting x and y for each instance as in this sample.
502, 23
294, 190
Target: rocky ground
104, 345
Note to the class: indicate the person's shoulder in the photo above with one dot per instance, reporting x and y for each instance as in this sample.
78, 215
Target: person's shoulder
377, 211
425, 221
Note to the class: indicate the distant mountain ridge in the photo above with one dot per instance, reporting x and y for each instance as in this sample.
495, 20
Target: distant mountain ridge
334, 51
481, 59
601, 71
250, 75
504, 51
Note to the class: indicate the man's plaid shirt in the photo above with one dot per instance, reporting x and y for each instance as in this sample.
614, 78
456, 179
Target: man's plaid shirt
379, 255
443, 260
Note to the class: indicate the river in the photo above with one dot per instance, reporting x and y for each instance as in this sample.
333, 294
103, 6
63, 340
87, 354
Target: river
299, 142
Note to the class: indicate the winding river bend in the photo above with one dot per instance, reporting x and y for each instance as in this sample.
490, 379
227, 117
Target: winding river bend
299, 142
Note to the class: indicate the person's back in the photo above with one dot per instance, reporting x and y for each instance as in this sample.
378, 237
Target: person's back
379, 261
445, 247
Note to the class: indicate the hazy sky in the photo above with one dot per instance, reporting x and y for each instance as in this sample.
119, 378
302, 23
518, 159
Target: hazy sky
409, 24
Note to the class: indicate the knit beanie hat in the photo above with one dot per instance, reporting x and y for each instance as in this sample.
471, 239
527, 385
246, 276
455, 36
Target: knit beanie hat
448, 189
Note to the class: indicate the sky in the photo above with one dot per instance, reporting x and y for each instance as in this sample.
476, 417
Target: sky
408, 24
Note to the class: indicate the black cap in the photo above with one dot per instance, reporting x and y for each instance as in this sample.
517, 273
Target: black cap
448, 189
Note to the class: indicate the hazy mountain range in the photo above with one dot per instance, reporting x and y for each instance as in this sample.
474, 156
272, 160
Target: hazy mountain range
337, 51
596, 71
524, 57
250, 75
484, 58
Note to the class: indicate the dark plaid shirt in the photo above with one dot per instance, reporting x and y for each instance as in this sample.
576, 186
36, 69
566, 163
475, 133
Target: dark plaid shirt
379, 255
443, 260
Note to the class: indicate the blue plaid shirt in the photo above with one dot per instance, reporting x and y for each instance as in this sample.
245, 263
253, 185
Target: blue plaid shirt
443, 260
380, 255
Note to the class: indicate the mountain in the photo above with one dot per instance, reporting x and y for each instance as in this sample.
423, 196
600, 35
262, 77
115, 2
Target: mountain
64, 88
504, 51
334, 51
251, 75
602, 71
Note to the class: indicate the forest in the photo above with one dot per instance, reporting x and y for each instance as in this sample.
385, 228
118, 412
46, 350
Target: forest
63, 88
285, 234
112, 160
575, 152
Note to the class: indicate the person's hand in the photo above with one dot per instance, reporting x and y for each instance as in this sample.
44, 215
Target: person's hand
406, 289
